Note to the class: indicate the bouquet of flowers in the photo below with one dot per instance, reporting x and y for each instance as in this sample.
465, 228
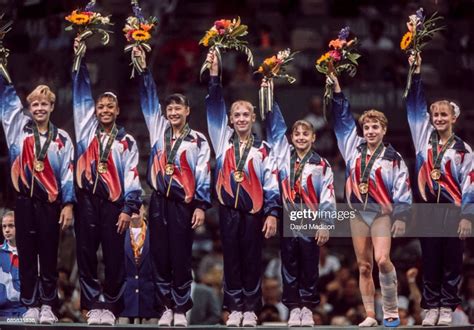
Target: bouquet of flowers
137, 31
225, 34
86, 23
342, 57
4, 52
420, 32
273, 67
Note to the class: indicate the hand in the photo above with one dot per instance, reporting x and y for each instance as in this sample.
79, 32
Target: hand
322, 236
267, 83
333, 78
212, 59
270, 226
464, 229
398, 228
198, 218
77, 41
123, 222
411, 274
415, 60
140, 55
65, 218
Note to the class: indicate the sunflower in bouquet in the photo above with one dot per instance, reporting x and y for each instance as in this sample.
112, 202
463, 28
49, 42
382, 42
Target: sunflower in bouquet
86, 23
341, 57
273, 67
420, 32
138, 32
226, 34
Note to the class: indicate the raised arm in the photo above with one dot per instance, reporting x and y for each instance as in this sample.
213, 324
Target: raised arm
149, 101
85, 121
276, 128
217, 119
11, 114
418, 116
344, 123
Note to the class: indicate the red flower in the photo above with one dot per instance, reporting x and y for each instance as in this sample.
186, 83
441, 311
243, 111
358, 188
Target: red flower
335, 55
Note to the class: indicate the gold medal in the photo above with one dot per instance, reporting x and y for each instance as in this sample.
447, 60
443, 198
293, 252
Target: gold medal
102, 168
435, 174
238, 176
39, 165
169, 169
363, 188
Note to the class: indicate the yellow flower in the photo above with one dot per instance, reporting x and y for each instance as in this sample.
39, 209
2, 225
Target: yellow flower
78, 18
323, 58
406, 40
141, 35
209, 35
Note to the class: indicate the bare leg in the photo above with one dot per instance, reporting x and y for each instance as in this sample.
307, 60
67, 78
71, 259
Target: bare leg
363, 249
381, 240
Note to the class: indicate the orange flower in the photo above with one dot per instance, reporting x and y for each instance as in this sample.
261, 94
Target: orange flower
337, 43
406, 40
146, 27
78, 18
212, 33
323, 58
141, 35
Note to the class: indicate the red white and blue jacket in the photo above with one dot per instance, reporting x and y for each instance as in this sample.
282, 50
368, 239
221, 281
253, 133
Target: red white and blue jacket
259, 189
55, 182
190, 182
315, 186
10, 304
389, 184
120, 183
457, 171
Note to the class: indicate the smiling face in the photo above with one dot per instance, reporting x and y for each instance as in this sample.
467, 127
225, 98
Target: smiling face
442, 116
107, 110
41, 104
374, 127
302, 136
177, 114
40, 109
242, 117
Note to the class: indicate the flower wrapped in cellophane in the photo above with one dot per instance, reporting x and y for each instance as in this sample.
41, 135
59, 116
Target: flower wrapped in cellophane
4, 52
226, 34
86, 23
138, 31
273, 67
341, 57
420, 32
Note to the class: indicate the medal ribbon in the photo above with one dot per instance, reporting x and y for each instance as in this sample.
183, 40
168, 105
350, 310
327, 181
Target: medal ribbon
240, 161
104, 153
171, 152
295, 176
437, 158
366, 168
40, 153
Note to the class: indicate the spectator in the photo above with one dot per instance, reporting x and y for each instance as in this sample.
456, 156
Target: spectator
271, 294
139, 297
9, 275
376, 40
207, 309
